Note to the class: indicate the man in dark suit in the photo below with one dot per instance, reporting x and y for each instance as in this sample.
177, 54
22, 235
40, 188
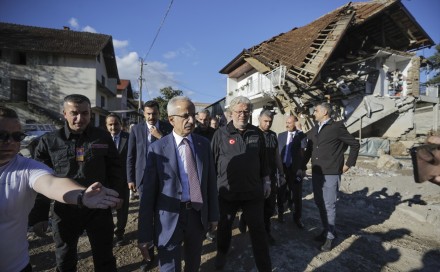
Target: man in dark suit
142, 135
292, 144
327, 142
179, 202
120, 138
203, 126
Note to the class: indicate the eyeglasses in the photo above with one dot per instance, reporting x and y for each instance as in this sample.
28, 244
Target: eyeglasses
185, 115
16, 136
245, 112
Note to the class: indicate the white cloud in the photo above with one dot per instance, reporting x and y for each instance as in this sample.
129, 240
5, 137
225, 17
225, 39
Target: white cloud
74, 23
188, 51
120, 44
156, 75
89, 29
170, 55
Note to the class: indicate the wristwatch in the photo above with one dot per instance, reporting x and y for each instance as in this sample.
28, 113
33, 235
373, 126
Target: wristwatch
79, 199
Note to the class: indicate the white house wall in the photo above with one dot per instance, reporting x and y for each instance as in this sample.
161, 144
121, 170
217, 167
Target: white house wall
49, 83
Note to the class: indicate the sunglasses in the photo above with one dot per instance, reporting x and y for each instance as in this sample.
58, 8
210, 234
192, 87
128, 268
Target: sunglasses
16, 136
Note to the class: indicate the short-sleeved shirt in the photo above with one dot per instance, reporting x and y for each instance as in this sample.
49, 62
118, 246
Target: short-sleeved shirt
17, 198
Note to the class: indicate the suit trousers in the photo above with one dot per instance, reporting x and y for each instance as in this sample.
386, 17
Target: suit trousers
122, 213
292, 190
325, 193
189, 231
252, 211
69, 223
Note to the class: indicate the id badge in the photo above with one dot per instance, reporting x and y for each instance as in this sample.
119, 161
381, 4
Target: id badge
80, 154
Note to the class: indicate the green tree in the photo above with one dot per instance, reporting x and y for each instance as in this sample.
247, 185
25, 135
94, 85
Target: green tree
433, 65
167, 94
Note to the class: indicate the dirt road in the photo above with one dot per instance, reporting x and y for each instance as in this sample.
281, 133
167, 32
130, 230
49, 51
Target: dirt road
385, 222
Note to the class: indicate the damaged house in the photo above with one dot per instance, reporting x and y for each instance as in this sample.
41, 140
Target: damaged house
360, 57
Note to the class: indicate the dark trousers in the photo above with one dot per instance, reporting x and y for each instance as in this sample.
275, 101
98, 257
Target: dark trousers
189, 231
28, 268
69, 222
252, 212
292, 192
269, 206
122, 214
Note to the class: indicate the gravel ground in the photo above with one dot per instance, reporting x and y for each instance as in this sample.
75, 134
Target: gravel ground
385, 222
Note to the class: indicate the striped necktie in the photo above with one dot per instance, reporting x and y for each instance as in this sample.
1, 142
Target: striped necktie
193, 179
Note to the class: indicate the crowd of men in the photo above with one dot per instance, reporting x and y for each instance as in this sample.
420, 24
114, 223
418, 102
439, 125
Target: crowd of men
192, 177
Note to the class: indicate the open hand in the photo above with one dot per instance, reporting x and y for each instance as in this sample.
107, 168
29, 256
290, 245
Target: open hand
99, 197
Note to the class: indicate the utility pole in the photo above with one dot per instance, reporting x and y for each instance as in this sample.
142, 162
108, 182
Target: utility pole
141, 79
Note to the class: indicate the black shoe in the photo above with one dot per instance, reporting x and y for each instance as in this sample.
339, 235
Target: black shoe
327, 246
321, 237
220, 261
120, 241
147, 266
299, 223
242, 224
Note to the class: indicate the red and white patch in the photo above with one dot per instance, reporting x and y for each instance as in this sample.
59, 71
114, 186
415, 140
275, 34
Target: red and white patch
231, 141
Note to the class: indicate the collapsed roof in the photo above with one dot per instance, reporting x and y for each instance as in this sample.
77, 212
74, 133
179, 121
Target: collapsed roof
338, 56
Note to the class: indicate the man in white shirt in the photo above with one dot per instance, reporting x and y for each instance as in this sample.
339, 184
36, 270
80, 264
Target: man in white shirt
20, 181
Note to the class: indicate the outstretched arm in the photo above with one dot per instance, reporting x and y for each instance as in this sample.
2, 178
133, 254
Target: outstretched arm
67, 191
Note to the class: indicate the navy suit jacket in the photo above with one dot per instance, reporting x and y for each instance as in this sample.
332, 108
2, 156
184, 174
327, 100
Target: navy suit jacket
162, 191
123, 151
137, 150
297, 155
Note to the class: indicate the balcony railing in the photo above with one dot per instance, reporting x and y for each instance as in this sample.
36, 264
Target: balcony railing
262, 85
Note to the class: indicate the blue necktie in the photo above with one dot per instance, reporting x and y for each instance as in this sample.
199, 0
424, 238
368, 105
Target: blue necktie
115, 140
288, 160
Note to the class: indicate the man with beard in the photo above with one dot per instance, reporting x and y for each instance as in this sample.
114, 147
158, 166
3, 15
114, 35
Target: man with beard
243, 180
203, 125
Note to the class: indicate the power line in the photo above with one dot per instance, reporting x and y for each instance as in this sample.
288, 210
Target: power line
158, 31
185, 87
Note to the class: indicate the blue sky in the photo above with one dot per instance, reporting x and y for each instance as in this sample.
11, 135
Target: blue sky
197, 38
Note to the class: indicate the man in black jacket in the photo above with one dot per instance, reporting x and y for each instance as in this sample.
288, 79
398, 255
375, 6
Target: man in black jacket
85, 154
243, 181
327, 142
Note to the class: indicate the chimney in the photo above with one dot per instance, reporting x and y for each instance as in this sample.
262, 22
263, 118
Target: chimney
66, 28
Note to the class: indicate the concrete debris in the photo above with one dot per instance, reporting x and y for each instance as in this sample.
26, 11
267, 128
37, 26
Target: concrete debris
388, 162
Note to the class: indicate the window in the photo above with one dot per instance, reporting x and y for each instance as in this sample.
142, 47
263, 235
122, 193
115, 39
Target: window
102, 101
19, 90
18, 58
103, 80
98, 58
